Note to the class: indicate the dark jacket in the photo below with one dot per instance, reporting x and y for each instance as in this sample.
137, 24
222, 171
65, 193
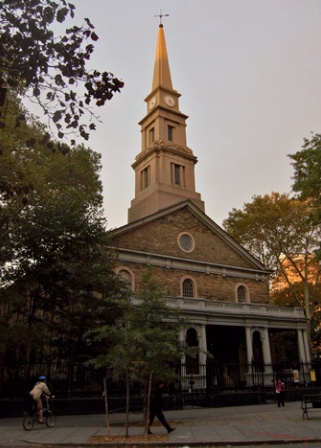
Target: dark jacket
156, 400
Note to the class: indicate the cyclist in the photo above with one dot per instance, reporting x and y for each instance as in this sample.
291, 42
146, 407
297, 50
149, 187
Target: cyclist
39, 388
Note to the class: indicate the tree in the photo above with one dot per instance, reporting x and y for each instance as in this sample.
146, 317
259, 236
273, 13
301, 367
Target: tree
56, 267
51, 69
274, 229
145, 343
307, 175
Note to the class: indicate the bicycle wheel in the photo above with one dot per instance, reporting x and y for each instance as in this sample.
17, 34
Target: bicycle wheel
51, 419
28, 422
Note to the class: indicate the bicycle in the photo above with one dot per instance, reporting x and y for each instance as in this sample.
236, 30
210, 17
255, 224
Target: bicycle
31, 414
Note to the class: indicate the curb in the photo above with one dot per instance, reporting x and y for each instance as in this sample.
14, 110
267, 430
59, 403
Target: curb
173, 444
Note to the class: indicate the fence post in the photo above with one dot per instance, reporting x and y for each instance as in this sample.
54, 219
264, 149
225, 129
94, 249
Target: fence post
191, 383
106, 405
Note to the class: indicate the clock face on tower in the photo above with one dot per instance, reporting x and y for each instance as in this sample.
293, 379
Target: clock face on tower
169, 100
152, 102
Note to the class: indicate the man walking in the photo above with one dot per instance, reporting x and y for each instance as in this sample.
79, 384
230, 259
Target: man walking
156, 406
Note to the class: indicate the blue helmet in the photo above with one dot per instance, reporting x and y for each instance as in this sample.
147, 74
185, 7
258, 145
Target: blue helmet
42, 378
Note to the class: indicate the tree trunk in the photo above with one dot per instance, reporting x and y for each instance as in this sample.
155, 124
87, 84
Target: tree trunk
29, 342
148, 403
106, 407
127, 404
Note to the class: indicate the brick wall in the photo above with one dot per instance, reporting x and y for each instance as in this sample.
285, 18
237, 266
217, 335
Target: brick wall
161, 237
209, 286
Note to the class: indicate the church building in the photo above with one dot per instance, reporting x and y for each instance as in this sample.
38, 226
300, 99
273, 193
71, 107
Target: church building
221, 289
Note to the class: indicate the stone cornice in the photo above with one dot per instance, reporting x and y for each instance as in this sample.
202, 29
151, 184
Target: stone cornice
170, 262
161, 147
238, 314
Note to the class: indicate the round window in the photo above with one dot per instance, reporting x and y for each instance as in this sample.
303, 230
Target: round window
186, 242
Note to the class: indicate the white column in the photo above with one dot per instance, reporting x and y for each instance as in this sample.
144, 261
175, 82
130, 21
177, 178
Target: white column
266, 347
249, 346
306, 346
249, 351
182, 338
202, 344
302, 354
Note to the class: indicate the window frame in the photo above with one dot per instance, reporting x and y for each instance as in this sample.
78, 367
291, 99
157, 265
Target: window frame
145, 178
194, 284
178, 174
170, 132
181, 246
245, 291
131, 281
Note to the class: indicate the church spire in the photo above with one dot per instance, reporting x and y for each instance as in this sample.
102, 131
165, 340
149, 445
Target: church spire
162, 74
164, 169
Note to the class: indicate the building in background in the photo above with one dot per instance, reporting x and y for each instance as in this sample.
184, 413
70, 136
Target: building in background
219, 287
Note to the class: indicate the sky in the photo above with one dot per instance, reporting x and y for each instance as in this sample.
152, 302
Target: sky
249, 72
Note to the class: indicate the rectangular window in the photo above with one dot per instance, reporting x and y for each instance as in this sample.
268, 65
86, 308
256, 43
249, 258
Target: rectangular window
170, 133
177, 174
144, 178
151, 136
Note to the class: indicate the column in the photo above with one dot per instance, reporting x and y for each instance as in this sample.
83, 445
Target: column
306, 346
202, 344
182, 338
249, 351
302, 353
267, 360
249, 347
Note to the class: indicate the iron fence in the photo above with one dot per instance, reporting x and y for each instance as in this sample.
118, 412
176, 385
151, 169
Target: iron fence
79, 380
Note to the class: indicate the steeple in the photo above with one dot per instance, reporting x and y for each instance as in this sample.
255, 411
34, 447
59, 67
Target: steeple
164, 169
162, 74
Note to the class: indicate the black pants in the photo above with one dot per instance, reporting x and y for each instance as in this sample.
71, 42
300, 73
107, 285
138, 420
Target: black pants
161, 417
280, 399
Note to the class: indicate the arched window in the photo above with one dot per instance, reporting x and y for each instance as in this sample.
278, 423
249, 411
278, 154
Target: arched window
188, 288
126, 277
241, 294
192, 361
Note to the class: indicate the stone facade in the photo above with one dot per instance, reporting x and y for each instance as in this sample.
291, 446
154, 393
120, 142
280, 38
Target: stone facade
217, 268
161, 237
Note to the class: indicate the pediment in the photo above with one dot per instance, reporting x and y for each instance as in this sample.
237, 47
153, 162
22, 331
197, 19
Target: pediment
158, 234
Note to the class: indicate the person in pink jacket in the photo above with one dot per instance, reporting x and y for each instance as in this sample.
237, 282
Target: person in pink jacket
39, 388
279, 390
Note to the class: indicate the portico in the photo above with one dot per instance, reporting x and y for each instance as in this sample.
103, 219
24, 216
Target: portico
252, 318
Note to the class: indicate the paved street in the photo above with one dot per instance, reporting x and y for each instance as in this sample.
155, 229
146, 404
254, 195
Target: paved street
255, 424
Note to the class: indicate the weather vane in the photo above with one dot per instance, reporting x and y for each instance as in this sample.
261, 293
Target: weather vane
160, 15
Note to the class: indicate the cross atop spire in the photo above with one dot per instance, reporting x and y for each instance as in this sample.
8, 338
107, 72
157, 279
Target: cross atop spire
162, 75
160, 15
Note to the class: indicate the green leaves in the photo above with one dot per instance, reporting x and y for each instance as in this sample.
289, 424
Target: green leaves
54, 257
275, 229
307, 175
145, 339
45, 64
270, 226
57, 116
62, 14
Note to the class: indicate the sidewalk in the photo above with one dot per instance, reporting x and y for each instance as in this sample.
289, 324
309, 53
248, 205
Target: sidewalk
254, 424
